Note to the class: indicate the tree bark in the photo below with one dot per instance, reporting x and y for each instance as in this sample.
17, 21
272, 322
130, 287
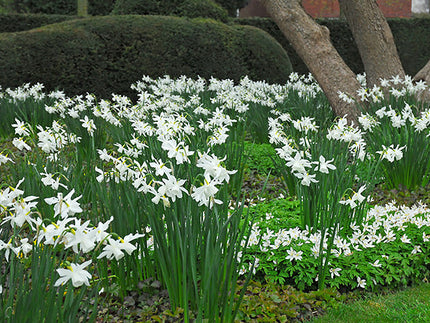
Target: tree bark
374, 40
312, 43
424, 75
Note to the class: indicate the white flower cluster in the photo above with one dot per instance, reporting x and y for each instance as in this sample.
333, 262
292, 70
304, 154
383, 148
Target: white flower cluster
391, 153
297, 152
25, 92
396, 86
161, 119
382, 225
51, 140
397, 119
68, 231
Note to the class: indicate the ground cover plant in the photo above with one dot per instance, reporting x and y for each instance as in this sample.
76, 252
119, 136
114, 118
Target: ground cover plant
409, 305
149, 204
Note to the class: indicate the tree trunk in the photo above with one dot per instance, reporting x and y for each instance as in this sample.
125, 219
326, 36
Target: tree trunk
374, 40
424, 75
311, 42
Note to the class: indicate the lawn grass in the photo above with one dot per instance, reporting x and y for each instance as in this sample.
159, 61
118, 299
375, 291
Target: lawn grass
409, 305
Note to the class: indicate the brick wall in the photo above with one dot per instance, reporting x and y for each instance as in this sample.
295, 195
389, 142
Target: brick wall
330, 8
395, 8
321, 8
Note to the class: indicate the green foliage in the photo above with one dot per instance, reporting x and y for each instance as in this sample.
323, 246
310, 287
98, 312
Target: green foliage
30, 110
195, 246
14, 22
145, 7
410, 35
185, 8
327, 197
406, 305
25, 280
260, 157
100, 7
106, 54
400, 260
60, 7
232, 5
201, 8
268, 302
340, 35
390, 247
277, 214
271, 28
257, 122
399, 129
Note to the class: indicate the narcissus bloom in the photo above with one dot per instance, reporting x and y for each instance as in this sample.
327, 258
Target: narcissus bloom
76, 273
89, 125
205, 194
65, 206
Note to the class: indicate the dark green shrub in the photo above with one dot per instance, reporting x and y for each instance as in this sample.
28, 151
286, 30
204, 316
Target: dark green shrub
20, 22
60, 7
100, 7
411, 37
107, 54
145, 7
269, 26
232, 5
201, 8
340, 35
185, 8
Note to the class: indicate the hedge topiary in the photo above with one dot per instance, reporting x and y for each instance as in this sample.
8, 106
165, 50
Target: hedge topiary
269, 26
144, 7
100, 7
201, 8
411, 37
232, 5
103, 55
20, 22
340, 35
60, 7
184, 8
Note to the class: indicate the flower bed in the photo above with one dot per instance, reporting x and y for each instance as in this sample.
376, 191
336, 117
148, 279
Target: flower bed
101, 193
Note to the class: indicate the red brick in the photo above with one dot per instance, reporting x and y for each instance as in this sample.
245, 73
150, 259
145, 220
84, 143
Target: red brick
321, 8
330, 8
395, 8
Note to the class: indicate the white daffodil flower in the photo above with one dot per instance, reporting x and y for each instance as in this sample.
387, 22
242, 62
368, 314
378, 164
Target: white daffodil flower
75, 273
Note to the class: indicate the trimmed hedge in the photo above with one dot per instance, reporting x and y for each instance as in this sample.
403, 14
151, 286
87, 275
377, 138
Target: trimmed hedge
20, 22
412, 37
60, 7
103, 55
232, 5
201, 8
182, 8
187, 8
